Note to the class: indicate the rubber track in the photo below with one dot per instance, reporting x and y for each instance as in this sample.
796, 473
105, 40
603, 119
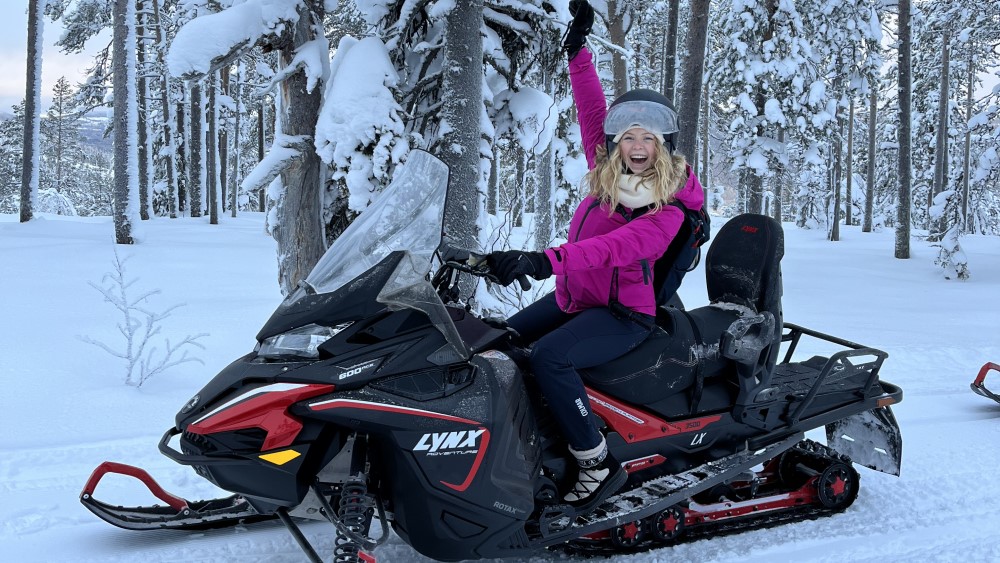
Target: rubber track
604, 547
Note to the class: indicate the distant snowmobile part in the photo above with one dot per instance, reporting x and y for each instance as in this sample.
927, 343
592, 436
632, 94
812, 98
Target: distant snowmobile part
979, 384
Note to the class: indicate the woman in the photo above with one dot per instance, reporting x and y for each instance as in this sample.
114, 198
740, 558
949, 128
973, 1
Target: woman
604, 303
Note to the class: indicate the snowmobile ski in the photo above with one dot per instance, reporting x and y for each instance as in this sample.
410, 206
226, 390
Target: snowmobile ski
979, 385
178, 514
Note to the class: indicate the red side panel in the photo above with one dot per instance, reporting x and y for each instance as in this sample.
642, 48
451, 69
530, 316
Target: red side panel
267, 411
635, 425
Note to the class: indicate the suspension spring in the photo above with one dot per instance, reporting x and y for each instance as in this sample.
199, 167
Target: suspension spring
352, 512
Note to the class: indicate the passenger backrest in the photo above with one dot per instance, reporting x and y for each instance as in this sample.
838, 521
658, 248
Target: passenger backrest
743, 266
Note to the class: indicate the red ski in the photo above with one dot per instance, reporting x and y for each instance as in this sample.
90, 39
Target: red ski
979, 386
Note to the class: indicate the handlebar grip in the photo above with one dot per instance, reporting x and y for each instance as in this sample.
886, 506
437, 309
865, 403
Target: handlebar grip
525, 283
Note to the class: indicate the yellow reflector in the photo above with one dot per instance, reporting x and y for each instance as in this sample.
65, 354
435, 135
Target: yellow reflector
281, 458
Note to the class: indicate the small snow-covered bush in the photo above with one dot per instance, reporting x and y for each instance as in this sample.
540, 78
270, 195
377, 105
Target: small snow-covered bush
138, 328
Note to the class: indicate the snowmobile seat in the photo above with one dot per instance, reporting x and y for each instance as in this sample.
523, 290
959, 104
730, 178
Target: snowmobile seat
696, 350
743, 267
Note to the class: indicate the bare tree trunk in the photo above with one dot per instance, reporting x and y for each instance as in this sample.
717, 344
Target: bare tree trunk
779, 180
837, 154
299, 231
196, 169
692, 76
125, 121
222, 125
493, 184
183, 156
30, 147
705, 163
143, 125
545, 185
848, 196
966, 170
262, 197
462, 110
616, 32
545, 180
870, 180
170, 149
937, 229
212, 149
237, 177
902, 250
670, 50
514, 189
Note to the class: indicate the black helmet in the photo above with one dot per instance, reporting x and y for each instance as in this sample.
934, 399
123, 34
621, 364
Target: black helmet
644, 108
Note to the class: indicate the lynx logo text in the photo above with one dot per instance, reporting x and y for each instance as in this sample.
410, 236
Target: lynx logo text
450, 443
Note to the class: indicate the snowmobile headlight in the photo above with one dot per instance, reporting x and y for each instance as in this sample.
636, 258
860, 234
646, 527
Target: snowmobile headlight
301, 343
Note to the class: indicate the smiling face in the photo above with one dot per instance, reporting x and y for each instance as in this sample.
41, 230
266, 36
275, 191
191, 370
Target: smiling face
638, 148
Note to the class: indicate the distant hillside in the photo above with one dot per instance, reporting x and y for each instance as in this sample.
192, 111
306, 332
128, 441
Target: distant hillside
92, 128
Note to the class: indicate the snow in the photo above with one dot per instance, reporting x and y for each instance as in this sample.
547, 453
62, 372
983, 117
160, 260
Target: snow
212, 36
66, 408
360, 129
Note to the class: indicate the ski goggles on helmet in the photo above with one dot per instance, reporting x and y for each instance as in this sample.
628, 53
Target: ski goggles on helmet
651, 116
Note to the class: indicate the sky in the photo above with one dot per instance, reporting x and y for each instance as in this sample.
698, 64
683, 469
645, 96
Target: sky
65, 408
13, 49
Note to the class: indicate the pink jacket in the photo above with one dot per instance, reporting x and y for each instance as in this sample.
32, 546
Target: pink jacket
606, 256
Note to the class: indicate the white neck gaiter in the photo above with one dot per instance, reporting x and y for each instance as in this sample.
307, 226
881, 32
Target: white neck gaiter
634, 192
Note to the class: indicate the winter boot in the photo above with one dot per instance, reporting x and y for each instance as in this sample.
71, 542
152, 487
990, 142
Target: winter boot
600, 476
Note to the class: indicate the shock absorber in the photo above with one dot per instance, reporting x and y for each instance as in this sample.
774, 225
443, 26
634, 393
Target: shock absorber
354, 519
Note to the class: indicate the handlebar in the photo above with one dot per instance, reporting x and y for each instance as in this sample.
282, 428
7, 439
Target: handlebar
477, 265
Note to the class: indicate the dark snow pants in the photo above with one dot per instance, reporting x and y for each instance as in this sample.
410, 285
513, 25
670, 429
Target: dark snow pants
565, 342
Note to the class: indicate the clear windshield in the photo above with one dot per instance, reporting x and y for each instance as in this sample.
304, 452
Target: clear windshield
406, 216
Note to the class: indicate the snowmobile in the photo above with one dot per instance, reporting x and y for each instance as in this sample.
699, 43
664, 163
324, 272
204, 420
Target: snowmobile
376, 393
979, 384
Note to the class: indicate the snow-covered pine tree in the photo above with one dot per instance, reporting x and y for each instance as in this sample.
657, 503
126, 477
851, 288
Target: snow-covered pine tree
11, 139
61, 153
951, 258
419, 44
845, 37
767, 71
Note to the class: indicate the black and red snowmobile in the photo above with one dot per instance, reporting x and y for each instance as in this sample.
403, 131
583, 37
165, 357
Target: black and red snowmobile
979, 384
375, 393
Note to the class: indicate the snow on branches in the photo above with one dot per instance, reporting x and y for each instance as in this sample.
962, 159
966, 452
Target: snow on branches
212, 40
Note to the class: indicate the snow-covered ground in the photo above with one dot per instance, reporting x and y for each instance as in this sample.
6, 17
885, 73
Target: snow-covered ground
65, 409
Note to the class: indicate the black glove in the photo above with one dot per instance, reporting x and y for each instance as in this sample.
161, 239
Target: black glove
507, 265
579, 28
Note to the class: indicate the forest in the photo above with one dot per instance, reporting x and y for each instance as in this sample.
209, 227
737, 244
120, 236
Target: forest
821, 113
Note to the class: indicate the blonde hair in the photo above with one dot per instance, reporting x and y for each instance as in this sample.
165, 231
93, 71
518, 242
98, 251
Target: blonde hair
665, 177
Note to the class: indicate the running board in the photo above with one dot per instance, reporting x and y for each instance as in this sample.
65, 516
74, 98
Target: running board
178, 514
558, 524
